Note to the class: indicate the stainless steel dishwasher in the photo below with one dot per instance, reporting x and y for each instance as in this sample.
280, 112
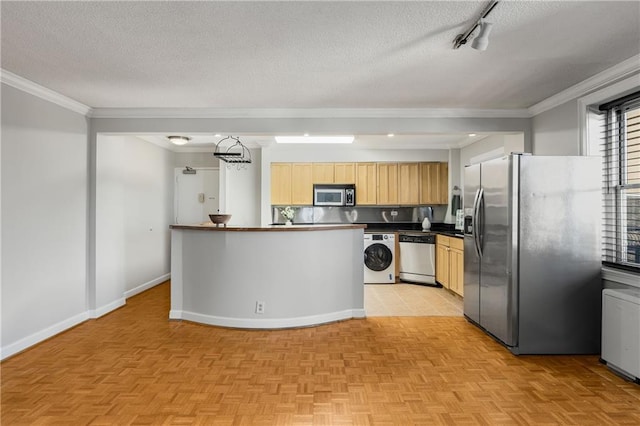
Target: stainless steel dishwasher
418, 258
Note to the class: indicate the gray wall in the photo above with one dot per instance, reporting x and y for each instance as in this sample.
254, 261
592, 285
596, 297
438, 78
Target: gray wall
555, 132
44, 219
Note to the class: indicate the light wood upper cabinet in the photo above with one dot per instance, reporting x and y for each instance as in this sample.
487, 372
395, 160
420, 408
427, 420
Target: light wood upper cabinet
434, 183
302, 184
280, 183
376, 183
443, 183
387, 183
344, 172
323, 173
409, 183
366, 184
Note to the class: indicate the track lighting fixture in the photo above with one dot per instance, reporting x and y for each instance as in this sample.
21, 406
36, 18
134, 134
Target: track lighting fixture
482, 39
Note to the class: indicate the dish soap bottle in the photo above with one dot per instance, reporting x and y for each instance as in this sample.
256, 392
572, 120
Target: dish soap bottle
426, 224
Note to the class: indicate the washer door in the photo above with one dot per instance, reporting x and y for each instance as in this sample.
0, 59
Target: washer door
377, 257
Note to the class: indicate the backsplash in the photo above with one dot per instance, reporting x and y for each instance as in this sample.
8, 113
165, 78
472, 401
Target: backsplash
360, 214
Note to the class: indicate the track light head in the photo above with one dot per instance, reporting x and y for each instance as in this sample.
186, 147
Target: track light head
482, 39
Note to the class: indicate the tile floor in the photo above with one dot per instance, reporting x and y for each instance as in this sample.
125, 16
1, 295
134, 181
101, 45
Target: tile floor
381, 300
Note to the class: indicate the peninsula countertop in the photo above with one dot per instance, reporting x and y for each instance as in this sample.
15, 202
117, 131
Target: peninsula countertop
208, 226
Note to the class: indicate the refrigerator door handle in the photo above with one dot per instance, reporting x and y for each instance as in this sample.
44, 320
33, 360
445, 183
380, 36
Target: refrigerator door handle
480, 223
474, 223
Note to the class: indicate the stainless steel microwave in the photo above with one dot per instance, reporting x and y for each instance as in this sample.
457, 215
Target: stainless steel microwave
334, 195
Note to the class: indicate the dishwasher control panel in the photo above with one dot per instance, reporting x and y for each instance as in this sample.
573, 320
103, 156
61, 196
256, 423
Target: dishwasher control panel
417, 239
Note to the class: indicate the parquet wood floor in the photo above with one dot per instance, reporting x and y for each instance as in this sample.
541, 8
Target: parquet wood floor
136, 367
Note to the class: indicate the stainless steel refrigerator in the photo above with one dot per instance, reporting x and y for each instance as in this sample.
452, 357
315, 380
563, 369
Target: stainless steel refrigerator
532, 260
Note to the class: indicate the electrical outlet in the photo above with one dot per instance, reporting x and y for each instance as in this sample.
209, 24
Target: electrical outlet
260, 307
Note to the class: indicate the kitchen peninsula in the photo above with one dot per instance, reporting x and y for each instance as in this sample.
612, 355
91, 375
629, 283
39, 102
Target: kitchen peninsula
267, 277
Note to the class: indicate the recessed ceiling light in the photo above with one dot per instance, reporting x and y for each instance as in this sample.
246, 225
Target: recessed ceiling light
217, 135
314, 139
178, 140
472, 135
390, 135
306, 135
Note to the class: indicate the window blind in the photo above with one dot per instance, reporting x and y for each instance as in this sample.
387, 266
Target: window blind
620, 149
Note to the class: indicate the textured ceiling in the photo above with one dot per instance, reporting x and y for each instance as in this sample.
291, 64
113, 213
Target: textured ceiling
312, 54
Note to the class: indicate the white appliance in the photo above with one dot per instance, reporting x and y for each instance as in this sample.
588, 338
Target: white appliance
621, 331
334, 195
379, 258
418, 258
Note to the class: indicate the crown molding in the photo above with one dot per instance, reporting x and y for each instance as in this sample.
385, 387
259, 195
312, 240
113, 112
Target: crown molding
42, 92
619, 71
307, 113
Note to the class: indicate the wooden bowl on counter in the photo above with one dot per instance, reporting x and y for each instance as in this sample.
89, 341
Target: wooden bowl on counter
220, 219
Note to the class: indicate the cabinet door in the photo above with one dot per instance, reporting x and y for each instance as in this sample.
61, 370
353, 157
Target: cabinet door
442, 265
281, 183
387, 183
443, 183
429, 176
456, 271
409, 183
344, 172
302, 184
366, 183
323, 173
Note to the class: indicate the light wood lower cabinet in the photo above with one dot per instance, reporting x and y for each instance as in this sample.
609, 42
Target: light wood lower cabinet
442, 260
450, 263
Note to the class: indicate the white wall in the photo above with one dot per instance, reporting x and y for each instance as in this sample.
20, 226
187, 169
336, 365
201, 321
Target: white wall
44, 219
240, 195
134, 208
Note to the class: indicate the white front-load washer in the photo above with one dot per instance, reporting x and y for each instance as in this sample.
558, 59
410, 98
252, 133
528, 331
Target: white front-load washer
379, 258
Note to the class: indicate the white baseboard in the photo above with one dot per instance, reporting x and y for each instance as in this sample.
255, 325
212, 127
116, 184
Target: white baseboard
26, 342
35, 338
146, 286
268, 323
103, 310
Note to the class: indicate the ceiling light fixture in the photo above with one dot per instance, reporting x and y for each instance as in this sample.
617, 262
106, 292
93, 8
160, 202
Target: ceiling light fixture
471, 135
390, 135
235, 153
314, 139
178, 140
482, 39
